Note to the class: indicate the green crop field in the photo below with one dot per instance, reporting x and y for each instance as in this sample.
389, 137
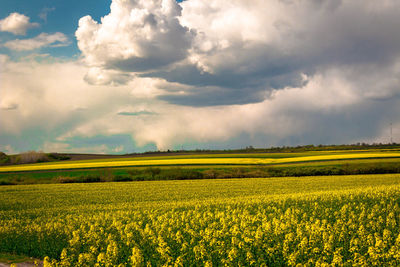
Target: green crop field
312, 221
218, 159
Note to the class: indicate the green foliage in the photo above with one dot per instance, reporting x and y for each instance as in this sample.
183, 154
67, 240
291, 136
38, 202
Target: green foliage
82, 179
7, 182
122, 178
342, 169
57, 156
180, 174
152, 173
4, 159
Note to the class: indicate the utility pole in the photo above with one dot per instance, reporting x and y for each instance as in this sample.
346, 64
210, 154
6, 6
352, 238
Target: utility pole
391, 134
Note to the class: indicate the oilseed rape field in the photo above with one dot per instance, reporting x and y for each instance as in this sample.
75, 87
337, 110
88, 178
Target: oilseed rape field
291, 221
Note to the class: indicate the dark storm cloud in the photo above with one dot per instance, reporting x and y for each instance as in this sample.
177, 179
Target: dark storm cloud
213, 96
339, 35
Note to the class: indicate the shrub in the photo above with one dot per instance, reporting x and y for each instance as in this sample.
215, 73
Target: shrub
66, 179
135, 172
180, 174
4, 159
106, 175
91, 179
56, 156
123, 178
153, 171
210, 174
80, 179
139, 178
7, 182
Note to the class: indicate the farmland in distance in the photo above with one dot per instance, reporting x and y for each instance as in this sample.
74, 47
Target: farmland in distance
205, 165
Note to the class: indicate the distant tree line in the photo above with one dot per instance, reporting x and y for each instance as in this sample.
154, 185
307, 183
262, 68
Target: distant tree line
300, 148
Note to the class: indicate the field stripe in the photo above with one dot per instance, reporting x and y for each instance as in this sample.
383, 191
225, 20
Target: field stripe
193, 161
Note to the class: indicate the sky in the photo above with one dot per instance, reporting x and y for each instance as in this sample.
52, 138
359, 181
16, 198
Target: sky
124, 76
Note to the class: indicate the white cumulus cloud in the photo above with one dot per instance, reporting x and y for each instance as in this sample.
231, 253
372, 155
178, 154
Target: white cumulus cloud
136, 36
17, 24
